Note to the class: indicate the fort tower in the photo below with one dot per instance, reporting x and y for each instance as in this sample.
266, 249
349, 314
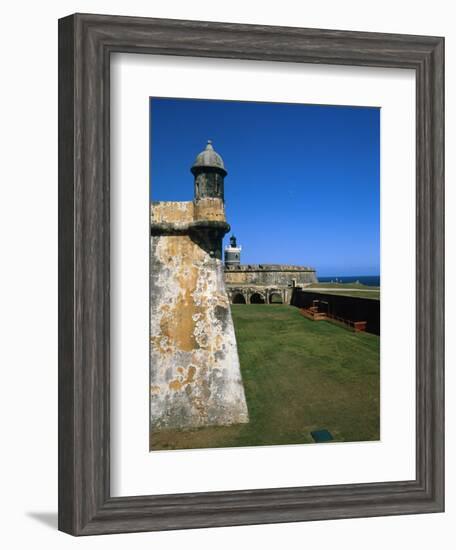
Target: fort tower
209, 171
195, 377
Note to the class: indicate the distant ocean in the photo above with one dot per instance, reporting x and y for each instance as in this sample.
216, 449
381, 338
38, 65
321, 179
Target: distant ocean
370, 280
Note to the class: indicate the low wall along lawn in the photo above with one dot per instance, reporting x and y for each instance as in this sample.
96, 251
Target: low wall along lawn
351, 308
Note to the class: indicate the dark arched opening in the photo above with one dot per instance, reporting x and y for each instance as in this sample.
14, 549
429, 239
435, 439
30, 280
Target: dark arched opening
275, 298
256, 299
239, 299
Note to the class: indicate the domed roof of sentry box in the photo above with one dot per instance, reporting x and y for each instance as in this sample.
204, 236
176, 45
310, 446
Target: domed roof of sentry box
208, 158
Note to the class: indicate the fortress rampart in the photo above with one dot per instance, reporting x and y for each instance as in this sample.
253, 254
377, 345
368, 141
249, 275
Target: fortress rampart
195, 377
270, 274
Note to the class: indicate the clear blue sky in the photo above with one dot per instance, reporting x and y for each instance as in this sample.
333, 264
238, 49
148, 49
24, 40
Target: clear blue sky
303, 184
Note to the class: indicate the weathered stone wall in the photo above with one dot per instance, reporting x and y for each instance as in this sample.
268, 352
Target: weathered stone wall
209, 209
269, 275
195, 378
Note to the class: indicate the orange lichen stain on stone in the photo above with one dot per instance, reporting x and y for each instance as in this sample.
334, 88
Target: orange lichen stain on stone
161, 343
179, 384
190, 374
178, 319
178, 324
155, 389
175, 385
218, 341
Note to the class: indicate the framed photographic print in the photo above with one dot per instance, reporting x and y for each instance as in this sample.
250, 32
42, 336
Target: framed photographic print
250, 274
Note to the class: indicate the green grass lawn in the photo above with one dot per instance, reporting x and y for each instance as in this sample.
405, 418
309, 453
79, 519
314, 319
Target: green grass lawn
299, 375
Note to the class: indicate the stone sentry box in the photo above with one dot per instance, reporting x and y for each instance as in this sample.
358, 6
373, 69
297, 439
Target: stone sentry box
195, 377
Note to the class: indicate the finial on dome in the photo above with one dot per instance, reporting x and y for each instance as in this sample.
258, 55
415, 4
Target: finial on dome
208, 158
209, 172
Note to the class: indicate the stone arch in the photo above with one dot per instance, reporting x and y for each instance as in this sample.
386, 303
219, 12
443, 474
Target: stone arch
257, 298
275, 297
238, 298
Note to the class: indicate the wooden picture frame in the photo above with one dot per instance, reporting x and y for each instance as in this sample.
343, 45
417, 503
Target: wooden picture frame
85, 45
